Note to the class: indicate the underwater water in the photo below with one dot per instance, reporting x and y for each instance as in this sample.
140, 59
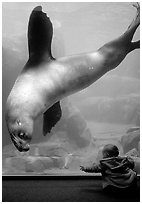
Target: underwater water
106, 112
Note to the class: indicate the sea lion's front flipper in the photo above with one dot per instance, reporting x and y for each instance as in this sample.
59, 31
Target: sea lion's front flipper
40, 33
51, 117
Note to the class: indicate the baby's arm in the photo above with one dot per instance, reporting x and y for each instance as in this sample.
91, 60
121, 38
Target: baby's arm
91, 169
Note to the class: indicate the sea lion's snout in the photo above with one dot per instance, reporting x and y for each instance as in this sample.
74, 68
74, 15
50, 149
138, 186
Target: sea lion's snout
21, 142
20, 130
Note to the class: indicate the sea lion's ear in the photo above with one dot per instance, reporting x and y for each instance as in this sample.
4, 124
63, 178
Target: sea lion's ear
51, 117
40, 31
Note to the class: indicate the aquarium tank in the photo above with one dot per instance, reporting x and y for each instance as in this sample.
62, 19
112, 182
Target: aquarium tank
107, 112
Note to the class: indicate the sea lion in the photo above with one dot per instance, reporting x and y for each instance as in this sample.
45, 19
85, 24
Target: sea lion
44, 80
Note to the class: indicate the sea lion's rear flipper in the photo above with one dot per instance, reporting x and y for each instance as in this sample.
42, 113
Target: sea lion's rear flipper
51, 117
40, 33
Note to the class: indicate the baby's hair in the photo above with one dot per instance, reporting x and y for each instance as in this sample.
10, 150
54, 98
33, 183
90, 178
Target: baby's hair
110, 150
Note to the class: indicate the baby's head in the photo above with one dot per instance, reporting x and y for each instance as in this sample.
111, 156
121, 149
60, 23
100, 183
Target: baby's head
110, 150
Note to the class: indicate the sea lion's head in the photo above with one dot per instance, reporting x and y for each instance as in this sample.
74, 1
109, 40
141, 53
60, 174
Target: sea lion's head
20, 130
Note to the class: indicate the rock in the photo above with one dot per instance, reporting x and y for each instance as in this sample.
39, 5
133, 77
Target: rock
25, 164
38, 164
15, 164
130, 140
133, 129
133, 152
137, 164
73, 125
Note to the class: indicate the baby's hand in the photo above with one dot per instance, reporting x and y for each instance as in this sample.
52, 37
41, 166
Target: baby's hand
82, 168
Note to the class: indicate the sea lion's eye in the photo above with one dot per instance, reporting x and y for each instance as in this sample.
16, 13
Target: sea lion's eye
21, 134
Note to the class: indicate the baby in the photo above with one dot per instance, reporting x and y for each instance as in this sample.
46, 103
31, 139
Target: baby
117, 172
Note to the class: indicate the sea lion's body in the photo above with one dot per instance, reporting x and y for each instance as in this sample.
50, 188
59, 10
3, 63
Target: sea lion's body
36, 90
44, 81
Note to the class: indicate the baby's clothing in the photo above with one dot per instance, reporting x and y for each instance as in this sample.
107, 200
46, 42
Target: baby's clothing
116, 171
